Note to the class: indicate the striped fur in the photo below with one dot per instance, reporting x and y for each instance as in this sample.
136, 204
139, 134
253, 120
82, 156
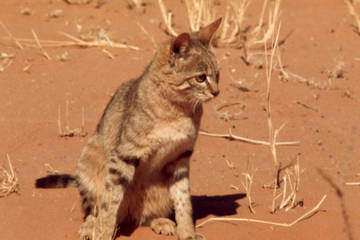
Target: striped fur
134, 170
57, 181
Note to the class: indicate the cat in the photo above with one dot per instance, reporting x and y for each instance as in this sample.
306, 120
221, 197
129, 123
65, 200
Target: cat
134, 170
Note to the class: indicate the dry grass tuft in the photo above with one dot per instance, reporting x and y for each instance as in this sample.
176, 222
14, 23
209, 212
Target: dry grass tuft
8, 180
291, 178
167, 17
247, 184
233, 31
68, 131
200, 13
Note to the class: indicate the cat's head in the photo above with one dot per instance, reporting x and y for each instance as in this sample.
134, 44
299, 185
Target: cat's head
190, 66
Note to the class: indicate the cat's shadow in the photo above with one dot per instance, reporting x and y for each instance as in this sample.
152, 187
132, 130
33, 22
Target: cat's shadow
203, 206
220, 206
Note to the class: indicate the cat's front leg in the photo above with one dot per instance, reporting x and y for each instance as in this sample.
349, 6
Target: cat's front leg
120, 173
180, 195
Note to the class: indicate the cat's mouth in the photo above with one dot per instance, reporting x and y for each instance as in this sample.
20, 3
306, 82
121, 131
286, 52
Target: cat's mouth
207, 97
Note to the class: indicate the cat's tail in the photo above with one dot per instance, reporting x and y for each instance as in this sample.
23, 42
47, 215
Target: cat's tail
57, 181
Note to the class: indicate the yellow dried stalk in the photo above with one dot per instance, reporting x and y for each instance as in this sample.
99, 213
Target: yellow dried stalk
350, 4
8, 180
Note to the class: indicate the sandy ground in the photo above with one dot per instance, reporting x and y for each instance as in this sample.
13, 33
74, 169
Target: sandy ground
319, 37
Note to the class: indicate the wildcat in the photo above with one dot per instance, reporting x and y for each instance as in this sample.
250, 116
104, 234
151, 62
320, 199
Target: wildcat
134, 170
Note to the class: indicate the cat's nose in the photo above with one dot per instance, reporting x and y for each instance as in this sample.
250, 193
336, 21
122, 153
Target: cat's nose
215, 92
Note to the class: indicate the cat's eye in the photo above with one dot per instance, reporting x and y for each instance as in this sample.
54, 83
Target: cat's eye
201, 78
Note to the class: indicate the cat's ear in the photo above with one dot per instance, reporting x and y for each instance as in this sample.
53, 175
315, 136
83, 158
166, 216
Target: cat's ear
181, 44
207, 33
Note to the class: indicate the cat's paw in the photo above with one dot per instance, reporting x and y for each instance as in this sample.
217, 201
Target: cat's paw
87, 228
90, 231
163, 226
196, 236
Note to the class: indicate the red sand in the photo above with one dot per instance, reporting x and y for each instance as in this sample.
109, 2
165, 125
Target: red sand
324, 121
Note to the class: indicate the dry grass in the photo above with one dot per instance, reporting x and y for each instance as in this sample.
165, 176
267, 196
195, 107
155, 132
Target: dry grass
142, 28
38, 44
336, 72
351, 7
303, 217
8, 180
269, 66
200, 13
247, 184
291, 179
233, 32
96, 38
18, 44
50, 169
353, 183
67, 131
269, 60
5, 60
231, 136
261, 36
137, 4
167, 18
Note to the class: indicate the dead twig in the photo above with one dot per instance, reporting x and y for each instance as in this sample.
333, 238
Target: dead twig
307, 106
11, 36
148, 35
39, 45
231, 136
74, 41
109, 54
353, 183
